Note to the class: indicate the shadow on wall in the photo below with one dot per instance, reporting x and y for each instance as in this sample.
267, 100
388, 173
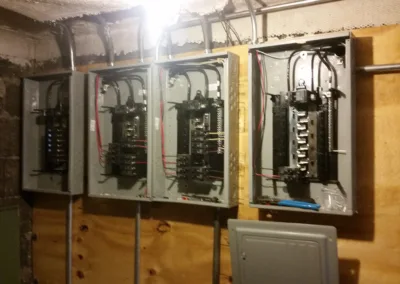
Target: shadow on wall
360, 226
164, 212
349, 270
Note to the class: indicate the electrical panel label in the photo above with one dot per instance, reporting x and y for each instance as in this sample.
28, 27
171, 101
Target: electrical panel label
213, 87
92, 125
156, 123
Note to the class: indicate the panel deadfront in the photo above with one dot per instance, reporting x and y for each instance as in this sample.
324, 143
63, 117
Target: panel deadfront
53, 133
301, 115
196, 130
119, 136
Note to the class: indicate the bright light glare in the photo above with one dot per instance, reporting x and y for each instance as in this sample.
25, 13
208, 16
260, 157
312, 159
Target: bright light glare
159, 15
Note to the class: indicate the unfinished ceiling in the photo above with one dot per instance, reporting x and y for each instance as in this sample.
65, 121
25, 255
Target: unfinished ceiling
50, 10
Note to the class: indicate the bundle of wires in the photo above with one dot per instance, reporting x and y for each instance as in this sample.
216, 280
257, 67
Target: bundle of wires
97, 121
262, 120
164, 157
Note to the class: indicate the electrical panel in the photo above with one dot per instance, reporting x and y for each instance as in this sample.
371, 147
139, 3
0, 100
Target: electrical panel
119, 136
301, 115
195, 149
53, 133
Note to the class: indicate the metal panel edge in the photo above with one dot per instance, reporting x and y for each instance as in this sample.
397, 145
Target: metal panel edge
194, 57
301, 40
250, 127
76, 133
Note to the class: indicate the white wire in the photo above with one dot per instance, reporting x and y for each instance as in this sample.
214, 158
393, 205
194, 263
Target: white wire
272, 56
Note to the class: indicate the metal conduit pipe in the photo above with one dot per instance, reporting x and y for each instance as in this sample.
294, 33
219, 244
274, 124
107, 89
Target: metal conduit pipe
254, 37
244, 14
217, 247
137, 243
70, 40
158, 45
205, 26
383, 68
169, 43
140, 41
69, 241
107, 37
165, 34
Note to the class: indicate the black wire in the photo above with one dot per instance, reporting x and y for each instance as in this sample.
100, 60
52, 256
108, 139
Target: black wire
49, 89
227, 31
309, 49
332, 69
131, 91
226, 28
312, 72
194, 69
294, 72
229, 27
115, 86
288, 66
139, 79
212, 68
259, 150
189, 85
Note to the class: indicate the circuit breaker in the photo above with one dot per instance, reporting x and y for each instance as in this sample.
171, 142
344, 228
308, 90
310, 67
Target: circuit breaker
53, 133
119, 136
301, 115
195, 149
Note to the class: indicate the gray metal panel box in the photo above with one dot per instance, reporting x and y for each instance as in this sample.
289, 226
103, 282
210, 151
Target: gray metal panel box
335, 196
117, 186
38, 95
166, 186
282, 253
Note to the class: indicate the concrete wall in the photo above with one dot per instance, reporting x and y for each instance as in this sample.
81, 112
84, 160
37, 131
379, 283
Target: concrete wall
17, 52
16, 46
334, 16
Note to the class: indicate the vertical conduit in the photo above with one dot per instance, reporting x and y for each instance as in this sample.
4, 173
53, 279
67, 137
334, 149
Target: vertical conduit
217, 247
254, 36
137, 243
69, 241
205, 26
166, 34
109, 45
68, 35
140, 41
169, 43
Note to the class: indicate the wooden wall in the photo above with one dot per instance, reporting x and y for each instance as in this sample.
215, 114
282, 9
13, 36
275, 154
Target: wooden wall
177, 239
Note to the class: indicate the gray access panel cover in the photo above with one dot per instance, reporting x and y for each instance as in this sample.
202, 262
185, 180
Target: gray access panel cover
35, 94
282, 253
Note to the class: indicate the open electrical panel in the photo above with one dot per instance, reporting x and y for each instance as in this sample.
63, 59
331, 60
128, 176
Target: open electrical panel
53, 133
195, 130
119, 136
301, 115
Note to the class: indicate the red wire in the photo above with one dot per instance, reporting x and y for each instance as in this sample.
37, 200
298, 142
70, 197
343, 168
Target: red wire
263, 91
216, 177
140, 146
263, 111
267, 176
97, 120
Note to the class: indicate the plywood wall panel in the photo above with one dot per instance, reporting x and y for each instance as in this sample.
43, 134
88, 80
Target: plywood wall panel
177, 240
